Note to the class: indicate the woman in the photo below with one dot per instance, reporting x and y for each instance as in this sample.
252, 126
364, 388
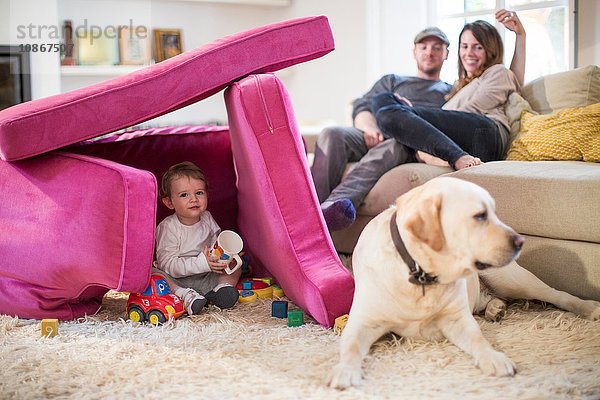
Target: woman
472, 126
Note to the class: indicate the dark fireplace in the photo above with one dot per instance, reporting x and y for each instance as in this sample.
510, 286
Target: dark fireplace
15, 76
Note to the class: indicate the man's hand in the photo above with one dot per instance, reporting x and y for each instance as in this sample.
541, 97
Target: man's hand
403, 99
372, 138
365, 122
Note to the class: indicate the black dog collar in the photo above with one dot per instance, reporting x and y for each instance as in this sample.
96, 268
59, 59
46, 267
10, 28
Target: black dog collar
417, 275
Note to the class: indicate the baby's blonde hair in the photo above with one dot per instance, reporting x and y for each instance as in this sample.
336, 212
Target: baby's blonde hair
185, 168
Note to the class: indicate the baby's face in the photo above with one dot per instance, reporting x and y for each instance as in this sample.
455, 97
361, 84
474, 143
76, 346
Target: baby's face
188, 198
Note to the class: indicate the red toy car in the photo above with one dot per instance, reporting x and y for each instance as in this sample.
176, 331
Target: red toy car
155, 304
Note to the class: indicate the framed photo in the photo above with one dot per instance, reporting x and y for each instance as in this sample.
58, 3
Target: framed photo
167, 43
134, 46
93, 50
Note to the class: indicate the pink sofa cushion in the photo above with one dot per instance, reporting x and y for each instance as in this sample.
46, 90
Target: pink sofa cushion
156, 149
279, 214
42, 125
71, 227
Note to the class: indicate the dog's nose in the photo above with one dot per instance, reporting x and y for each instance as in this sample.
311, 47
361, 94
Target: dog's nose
518, 241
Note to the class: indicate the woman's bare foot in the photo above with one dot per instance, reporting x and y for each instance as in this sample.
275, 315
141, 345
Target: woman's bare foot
466, 161
430, 159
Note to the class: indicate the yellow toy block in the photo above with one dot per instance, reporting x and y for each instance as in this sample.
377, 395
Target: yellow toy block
49, 327
340, 324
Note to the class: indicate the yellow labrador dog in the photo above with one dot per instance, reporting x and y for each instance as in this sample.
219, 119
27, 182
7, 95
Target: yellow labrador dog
424, 266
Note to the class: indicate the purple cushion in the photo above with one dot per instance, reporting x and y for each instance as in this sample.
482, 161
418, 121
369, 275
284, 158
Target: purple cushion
72, 227
42, 125
156, 149
279, 214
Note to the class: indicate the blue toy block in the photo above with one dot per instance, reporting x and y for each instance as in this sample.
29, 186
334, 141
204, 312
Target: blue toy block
247, 285
279, 309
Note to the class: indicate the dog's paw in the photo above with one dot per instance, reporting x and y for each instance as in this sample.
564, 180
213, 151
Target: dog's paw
595, 314
495, 310
591, 310
343, 377
497, 364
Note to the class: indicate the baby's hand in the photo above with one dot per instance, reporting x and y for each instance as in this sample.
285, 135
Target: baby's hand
213, 263
217, 267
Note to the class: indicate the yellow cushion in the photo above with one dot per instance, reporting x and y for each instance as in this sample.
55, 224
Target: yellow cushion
571, 134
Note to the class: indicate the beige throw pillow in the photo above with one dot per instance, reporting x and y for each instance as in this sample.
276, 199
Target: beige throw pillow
514, 109
576, 88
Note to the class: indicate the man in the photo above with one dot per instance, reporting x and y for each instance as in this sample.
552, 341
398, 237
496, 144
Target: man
365, 143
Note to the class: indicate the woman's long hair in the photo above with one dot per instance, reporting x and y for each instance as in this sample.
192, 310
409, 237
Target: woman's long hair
487, 35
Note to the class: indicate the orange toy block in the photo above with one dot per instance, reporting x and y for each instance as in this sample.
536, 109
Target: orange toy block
49, 327
340, 324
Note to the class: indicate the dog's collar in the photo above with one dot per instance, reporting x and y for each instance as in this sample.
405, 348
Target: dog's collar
417, 275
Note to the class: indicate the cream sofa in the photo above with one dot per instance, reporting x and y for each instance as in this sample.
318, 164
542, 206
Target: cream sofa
554, 204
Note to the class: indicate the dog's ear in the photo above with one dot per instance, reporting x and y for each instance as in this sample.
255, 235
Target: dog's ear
425, 222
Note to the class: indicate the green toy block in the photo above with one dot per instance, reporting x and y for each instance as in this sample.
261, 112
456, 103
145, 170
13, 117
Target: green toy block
295, 317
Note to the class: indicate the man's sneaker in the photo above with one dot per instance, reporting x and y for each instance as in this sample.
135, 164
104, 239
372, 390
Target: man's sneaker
193, 301
338, 214
223, 296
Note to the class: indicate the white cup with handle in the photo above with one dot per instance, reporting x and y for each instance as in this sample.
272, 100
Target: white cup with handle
226, 249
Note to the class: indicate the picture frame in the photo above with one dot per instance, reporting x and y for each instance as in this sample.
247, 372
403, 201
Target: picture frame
134, 46
92, 50
167, 43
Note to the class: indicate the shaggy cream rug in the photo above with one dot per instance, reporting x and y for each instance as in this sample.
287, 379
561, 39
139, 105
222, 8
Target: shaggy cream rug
245, 353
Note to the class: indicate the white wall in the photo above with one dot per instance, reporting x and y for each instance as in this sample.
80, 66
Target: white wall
320, 89
4, 21
589, 32
396, 50
44, 66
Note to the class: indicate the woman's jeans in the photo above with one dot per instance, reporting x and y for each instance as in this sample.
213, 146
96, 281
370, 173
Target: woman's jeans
445, 134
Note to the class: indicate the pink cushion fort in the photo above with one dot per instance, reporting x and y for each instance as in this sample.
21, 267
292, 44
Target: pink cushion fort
39, 126
67, 237
279, 214
72, 226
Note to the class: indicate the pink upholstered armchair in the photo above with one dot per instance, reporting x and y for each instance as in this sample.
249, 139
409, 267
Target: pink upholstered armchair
77, 217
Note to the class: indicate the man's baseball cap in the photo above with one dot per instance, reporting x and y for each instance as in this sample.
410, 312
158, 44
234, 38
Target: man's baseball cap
432, 31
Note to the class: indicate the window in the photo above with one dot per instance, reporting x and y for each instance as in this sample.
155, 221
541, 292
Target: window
549, 26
